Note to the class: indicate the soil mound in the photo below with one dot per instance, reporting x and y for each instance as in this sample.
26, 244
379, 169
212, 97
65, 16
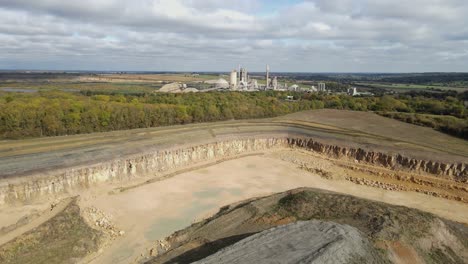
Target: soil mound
398, 234
301, 242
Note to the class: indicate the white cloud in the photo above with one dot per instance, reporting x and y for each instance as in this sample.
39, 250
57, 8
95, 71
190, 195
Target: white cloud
319, 35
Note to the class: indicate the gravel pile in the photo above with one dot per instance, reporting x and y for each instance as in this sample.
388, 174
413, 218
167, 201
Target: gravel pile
301, 242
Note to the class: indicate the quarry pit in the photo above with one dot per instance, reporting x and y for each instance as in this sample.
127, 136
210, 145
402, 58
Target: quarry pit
135, 188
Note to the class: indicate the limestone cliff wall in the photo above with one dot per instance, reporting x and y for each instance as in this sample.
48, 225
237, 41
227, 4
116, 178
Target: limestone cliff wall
455, 171
67, 180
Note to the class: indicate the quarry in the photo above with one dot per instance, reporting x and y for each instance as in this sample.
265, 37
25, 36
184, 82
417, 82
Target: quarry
397, 193
233, 132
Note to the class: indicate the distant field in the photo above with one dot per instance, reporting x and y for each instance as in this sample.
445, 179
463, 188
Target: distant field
447, 124
399, 86
119, 83
83, 86
144, 78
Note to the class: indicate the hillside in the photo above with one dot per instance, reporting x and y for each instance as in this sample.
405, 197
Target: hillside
399, 234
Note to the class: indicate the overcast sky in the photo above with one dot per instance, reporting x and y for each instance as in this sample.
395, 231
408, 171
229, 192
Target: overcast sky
217, 35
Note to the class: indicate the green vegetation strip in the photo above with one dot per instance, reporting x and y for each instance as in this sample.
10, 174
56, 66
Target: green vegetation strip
55, 113
65, 238
447, 124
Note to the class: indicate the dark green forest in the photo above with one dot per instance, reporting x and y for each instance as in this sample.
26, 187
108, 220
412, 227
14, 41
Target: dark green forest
54, 113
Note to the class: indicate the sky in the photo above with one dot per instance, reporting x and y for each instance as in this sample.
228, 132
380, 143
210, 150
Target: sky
218, 35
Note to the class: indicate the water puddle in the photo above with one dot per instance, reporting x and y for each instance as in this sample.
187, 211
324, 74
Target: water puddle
18, 90
203, 202
165, 226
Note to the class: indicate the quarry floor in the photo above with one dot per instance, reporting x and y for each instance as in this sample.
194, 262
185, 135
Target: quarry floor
152, 211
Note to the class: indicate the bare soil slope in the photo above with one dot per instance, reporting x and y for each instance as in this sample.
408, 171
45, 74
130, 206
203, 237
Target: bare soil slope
403, 235
301, 242
64, 238
400, 133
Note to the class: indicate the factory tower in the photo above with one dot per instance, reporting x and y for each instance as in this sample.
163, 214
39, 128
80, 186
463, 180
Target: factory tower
267, 76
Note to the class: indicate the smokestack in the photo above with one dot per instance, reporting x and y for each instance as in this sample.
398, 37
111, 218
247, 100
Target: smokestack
267, 76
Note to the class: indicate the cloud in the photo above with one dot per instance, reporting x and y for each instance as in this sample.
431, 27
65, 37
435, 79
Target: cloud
318, 35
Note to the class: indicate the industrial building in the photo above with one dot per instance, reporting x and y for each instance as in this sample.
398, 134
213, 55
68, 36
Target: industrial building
240, 80
177, 88
267, 76
233, 80
354, 92
322, 87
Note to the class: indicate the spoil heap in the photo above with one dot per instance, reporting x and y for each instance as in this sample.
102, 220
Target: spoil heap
399, 234
301, 242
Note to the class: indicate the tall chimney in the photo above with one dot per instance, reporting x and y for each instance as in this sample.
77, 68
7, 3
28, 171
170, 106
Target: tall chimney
267, 76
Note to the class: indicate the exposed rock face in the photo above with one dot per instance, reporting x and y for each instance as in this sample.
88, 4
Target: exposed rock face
301, 242
457, 171
61, 181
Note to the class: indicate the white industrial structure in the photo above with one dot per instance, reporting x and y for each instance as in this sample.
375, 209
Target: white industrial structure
239, 80
233, 80
294, 88
353, 91
244, 77
275, 83
267, 76
322, 87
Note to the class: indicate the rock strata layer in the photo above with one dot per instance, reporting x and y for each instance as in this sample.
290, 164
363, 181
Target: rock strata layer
456, 171
30, 187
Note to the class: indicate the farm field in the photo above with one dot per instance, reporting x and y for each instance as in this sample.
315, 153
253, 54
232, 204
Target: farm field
401, 86
115, 83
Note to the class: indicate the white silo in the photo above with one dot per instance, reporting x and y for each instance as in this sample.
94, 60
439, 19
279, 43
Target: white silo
243, 75
233, 79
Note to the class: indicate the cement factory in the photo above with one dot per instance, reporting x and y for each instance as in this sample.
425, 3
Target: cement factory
240, 80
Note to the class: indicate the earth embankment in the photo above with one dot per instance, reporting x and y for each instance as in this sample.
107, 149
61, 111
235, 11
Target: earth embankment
397, 234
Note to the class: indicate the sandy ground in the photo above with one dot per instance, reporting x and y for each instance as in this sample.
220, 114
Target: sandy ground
9, 215
43, 217
155, 210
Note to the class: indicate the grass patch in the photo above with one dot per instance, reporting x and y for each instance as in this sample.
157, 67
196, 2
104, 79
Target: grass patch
451, 125
403, 86
63, 239
378, 220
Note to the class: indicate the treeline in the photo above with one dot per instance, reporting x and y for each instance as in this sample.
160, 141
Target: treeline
54, 113
416, 103
447, 124
427, 78
60, 113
